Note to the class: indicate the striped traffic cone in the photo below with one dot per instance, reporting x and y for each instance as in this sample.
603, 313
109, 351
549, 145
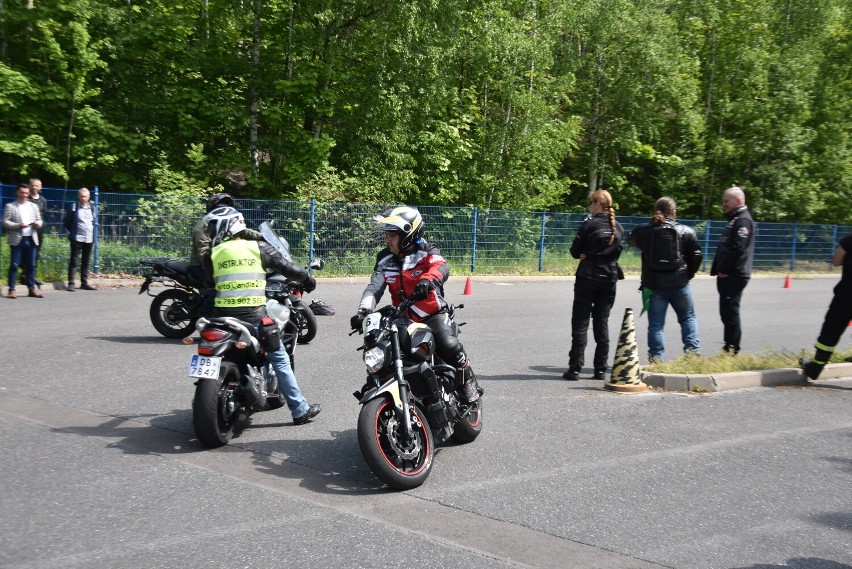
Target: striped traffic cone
625, 367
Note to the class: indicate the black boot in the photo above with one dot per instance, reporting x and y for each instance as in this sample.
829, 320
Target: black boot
469, 389
813, 368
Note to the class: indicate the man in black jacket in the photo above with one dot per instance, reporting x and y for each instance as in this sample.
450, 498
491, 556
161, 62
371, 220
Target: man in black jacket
670, 258
732, 264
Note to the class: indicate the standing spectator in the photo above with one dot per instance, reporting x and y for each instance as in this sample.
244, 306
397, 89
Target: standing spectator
670, 258
839, 312
21, 219
732, 264
598, 246
41, 202
80, 217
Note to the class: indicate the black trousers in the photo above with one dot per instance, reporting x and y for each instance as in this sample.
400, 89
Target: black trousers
836, 319
730, 293
592, 299
446, 343
85, 252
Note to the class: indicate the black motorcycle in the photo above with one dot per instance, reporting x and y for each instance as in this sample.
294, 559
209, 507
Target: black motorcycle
411, 399
233, 376
175, 310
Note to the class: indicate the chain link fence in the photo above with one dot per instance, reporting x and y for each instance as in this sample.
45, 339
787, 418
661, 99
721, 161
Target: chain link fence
474, 240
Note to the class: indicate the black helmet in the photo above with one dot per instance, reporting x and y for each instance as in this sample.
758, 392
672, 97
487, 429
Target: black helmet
219, 200
406, 221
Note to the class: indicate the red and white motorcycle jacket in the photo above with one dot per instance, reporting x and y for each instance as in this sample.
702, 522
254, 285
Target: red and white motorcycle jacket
400, 276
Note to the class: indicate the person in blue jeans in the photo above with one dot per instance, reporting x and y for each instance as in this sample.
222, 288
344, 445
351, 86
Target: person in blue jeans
670, 258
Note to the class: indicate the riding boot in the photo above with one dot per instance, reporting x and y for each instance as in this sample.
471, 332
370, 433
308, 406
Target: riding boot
469, 389
813, 368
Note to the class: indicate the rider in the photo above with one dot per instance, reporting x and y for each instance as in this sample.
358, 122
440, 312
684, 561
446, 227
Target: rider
409, 266
199, 261
239, 271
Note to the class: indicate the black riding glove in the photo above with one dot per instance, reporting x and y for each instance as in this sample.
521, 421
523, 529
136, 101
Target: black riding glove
310, 284
422, 289
356, 321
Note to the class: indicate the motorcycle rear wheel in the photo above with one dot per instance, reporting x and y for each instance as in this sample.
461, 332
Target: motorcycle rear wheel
305, 321
211, 418
399, 464
174, 314
467, 429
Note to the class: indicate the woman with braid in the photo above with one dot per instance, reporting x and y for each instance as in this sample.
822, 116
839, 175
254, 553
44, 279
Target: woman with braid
598, 246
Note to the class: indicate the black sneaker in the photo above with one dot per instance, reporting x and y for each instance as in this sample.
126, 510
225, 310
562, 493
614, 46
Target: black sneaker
571, 375
87, 286
313, 411
600, 374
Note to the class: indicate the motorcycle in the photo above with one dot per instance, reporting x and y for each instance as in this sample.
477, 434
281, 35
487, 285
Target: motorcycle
410, 401
175, 310
234, 379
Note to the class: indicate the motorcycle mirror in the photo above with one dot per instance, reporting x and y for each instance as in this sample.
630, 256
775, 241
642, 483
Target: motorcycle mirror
317, 264
271, 222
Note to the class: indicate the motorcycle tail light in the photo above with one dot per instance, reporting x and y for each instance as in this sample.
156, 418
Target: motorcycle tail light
204, 351
214, 335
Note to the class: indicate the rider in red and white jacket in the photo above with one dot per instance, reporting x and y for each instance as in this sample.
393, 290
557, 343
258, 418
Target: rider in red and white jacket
408, 265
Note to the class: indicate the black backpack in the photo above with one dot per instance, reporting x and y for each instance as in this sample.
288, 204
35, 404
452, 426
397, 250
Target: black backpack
664, 253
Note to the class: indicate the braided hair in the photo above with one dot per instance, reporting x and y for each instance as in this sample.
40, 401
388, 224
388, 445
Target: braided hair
604, 199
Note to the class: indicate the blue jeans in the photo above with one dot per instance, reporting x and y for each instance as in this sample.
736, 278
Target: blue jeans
280, 362
24, 253
681, 301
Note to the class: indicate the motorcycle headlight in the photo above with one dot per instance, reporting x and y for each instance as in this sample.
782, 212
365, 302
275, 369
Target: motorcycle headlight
374, 359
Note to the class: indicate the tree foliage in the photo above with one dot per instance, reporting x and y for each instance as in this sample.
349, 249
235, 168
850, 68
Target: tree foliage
514, 104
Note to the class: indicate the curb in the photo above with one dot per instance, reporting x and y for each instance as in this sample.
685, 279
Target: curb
740, 379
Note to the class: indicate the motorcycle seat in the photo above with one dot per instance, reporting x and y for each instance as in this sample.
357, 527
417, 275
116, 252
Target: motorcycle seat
181, 267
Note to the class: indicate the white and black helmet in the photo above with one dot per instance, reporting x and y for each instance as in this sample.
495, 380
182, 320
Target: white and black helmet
406, 221
222, 224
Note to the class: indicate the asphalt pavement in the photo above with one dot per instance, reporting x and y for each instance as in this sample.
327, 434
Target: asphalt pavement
101, 468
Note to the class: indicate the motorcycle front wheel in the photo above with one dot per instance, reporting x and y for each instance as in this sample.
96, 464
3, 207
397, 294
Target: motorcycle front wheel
174, 314
215, 408
465, 430
305, 321
399, 463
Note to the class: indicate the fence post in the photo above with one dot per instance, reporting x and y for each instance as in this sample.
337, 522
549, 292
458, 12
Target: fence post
311, 230
833, 246
793, 248
473, 239
706, 246
95, 233
541, 243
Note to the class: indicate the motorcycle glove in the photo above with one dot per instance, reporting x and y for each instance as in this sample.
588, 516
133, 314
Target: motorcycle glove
310, 284
356, 321
423, 288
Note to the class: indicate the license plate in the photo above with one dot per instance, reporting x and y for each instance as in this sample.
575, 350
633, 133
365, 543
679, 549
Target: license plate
204, 366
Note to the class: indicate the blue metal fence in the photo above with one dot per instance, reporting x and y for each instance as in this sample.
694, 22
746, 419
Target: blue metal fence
474, 239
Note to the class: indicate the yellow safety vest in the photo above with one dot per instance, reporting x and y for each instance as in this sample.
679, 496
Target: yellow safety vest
238, 273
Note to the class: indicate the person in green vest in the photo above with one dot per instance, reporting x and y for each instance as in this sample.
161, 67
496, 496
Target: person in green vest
239, 272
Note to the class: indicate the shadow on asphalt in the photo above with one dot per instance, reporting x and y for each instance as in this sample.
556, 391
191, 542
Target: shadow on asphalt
136, 339
802, 563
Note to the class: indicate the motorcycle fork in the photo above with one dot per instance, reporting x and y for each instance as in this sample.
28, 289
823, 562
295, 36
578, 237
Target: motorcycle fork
403, 384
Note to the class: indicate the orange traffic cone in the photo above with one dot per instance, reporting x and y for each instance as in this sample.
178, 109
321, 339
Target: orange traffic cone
468, 291
787, 283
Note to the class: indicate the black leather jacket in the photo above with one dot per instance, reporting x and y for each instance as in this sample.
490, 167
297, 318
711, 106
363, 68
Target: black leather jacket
601, 262
640, 237
735, 254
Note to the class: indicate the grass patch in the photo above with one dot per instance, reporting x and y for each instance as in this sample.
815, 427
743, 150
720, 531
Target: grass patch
724, 362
